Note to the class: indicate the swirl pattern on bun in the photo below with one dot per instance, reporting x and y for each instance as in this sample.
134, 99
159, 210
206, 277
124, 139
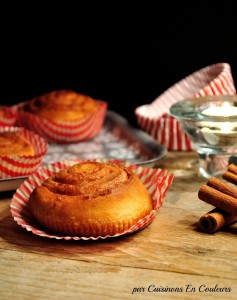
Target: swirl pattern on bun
90, 199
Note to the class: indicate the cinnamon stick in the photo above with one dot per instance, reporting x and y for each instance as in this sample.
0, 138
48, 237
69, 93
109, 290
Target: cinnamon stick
216, 219
220, 195
231, 174
222, 187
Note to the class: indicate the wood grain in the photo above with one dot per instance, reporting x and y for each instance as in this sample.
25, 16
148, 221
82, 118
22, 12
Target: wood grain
171, 253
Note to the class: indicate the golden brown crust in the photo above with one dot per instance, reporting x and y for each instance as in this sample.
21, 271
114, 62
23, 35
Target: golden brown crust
12, 143
62, 105
90, 199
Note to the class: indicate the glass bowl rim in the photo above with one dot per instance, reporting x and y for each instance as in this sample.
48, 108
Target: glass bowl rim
191, 105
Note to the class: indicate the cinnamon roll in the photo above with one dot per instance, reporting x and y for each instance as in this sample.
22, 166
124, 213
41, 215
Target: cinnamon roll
62, 105
90, 199
13, 143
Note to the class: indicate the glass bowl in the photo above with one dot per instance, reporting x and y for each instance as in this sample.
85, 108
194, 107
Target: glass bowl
211, 124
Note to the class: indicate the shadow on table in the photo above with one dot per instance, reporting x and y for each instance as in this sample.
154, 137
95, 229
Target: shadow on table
19, 237
229, 229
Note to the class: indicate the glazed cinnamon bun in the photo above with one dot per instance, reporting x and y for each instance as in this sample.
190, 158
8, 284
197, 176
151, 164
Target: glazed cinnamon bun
13, 143
90, 199
62, 105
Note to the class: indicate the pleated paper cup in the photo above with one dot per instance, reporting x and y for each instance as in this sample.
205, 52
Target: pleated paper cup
64, 132
8, 116
155, 119
156, 181
14, 165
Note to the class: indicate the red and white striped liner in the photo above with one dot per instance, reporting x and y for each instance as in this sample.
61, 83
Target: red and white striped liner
156, 181
64, 132
13, 165
10, 116
155, 119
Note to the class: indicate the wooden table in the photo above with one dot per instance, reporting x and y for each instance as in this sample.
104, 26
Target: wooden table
171, 253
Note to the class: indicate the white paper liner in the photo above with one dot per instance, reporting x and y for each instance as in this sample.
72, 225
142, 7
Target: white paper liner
156, 181
155, 119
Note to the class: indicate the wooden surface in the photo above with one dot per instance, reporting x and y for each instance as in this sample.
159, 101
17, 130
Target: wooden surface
170, 253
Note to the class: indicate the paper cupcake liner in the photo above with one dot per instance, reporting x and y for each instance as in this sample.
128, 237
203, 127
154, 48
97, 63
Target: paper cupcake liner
64, 132
155, 119
156, 181
9, 118
13, 165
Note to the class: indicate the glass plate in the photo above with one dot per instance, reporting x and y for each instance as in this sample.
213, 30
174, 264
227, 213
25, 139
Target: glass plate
117, 140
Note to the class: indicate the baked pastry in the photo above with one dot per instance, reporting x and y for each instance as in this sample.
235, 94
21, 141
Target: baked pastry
21, 151
62, 116
62, 105
13, 143
90, 199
